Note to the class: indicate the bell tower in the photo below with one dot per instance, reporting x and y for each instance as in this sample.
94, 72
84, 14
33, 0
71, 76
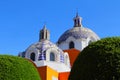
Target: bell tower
44, 34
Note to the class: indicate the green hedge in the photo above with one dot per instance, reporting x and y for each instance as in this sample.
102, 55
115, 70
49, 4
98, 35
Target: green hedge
98, 61
16, 68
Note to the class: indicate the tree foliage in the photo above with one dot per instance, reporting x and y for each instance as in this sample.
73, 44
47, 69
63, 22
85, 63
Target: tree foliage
16, 68
98, 61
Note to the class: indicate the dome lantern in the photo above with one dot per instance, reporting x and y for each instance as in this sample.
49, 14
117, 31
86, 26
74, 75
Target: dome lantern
77, 21
44, 34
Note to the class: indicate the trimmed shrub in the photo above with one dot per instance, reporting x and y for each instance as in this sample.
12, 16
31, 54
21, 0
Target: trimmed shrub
98, 61
16, 68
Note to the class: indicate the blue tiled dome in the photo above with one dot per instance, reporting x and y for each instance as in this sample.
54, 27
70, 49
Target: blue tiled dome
78, 33
44, 45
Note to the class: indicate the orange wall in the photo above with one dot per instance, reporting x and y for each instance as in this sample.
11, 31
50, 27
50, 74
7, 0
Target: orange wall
42, 72
47, 73
63, 76
73, 53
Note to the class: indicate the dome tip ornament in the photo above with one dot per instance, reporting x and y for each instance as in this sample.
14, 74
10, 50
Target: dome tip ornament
44, 27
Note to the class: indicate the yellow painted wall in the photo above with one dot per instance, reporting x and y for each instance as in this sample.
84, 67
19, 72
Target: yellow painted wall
51, 73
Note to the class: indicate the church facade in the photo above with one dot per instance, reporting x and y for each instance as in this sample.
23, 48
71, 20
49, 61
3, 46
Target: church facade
54, 61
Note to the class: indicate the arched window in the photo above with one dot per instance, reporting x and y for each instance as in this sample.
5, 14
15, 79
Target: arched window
32, 56
71, 45
52, 57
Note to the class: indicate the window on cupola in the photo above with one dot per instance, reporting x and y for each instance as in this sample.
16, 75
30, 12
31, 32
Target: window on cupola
71, 45
52, 56
32, 56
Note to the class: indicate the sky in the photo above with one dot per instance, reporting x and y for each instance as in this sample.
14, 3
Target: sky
21, 20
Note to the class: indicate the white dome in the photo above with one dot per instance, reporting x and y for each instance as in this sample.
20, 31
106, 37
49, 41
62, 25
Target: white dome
78, 37
42, 47
47, 53
78, 33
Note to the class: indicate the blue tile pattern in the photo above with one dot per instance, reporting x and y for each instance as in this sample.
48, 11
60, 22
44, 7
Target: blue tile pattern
42, 57
62, 58
77, 33
43, 46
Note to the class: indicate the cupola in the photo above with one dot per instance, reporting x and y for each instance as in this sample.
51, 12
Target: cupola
77, 21
44, 34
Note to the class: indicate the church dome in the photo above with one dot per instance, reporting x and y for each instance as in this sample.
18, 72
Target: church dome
46, 53
78, 37
44, 47
78, 33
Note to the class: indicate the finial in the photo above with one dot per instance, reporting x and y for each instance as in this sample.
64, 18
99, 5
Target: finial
44, 27
77, 13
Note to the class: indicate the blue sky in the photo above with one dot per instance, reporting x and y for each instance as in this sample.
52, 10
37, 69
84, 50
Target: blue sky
21, 20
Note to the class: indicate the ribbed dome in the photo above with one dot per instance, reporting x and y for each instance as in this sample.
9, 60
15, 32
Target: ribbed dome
78, 33
43, 46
